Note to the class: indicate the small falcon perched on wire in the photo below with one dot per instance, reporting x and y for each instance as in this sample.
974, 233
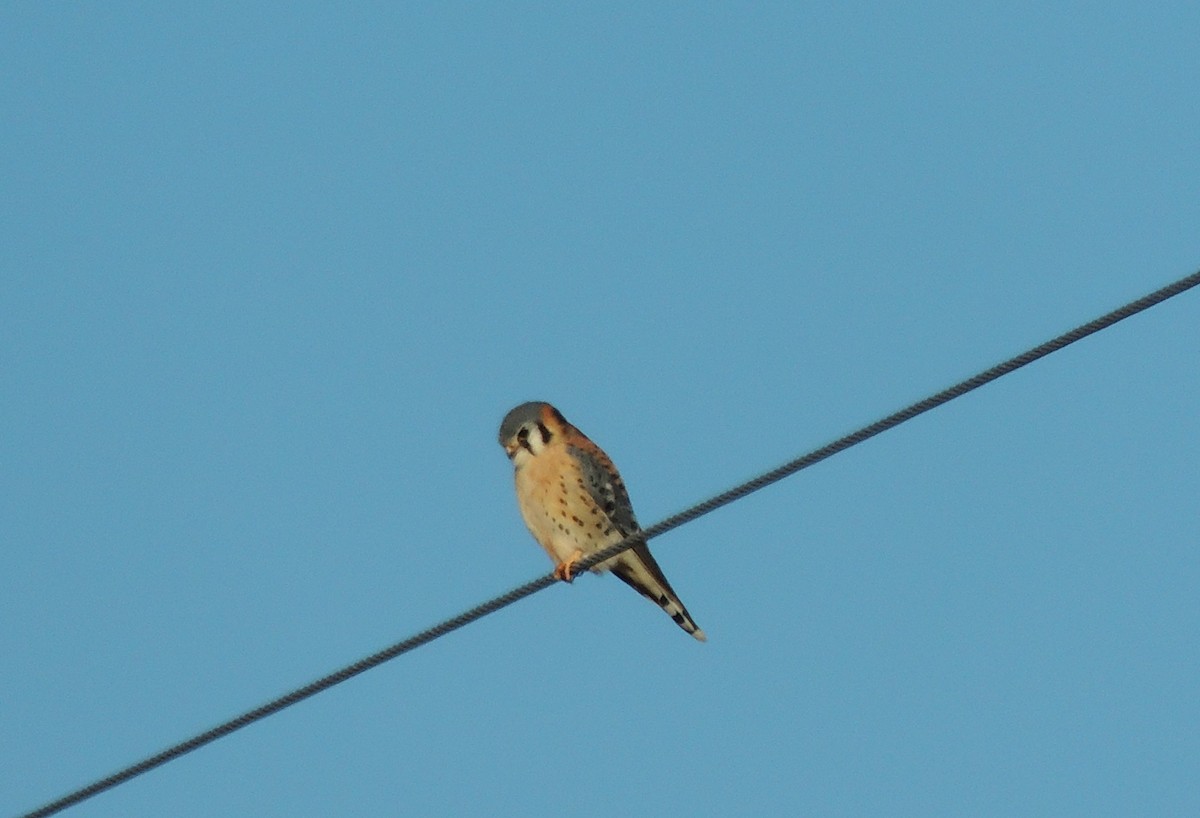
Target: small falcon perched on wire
574, 503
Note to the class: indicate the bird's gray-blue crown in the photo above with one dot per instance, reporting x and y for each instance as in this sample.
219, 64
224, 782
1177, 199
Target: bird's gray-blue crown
530, 412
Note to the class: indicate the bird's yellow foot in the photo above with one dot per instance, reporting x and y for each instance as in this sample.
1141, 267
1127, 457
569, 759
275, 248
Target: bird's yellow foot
563, 569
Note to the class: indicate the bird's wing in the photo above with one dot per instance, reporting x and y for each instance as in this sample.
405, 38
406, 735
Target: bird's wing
635, 567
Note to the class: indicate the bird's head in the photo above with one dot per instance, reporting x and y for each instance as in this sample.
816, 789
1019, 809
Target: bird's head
527, 429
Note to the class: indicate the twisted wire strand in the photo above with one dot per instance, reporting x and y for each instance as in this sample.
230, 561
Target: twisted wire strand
672, 522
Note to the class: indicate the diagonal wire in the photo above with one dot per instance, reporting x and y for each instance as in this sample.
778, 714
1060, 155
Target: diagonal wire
672, 522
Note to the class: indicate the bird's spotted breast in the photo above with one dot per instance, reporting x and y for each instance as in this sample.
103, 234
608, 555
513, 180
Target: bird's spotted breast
559, 507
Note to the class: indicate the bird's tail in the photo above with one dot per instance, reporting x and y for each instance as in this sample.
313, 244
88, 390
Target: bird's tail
637, 569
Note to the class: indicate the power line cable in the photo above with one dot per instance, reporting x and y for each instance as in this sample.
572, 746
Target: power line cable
686, 516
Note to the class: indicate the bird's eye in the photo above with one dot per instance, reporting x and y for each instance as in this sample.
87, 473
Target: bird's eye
523, 435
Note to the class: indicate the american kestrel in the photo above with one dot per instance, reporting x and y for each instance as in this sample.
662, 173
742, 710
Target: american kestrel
574, 503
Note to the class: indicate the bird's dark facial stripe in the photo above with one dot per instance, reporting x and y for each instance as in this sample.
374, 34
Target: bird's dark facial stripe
545, 433
523, 439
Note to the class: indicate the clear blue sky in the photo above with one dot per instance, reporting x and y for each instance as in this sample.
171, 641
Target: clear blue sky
272, 275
